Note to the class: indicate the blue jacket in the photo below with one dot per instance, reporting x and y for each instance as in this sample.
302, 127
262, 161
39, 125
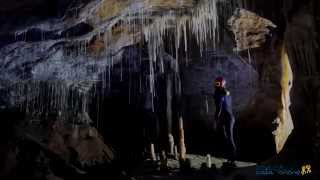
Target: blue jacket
223, 103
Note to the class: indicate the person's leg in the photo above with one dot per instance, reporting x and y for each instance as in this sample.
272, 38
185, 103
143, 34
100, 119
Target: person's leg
224, 131
234, 148
230, 137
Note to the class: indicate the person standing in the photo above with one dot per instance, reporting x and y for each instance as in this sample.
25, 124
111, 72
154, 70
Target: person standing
224, 115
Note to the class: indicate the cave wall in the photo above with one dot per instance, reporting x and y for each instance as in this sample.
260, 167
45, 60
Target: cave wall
198, 89
303, 51
298, 29
75, 50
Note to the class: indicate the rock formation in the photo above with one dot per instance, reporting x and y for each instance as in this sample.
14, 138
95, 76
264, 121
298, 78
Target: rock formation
99, 66
249, 29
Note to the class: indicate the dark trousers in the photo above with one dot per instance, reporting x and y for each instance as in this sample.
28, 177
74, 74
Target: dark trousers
226, 125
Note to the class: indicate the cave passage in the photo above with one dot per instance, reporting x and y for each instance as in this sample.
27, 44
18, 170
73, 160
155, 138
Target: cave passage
160, 89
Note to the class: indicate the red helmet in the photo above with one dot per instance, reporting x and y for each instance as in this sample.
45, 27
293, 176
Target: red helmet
220, 82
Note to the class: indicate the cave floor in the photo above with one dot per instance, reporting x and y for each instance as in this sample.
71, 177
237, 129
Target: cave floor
196, 169
197, 161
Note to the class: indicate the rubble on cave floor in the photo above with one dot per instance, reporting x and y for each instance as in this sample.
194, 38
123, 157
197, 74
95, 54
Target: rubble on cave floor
194, 167
54, 150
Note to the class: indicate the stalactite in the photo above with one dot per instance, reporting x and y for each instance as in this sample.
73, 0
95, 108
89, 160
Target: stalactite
169, 103
204, 22
206, 104
42, 96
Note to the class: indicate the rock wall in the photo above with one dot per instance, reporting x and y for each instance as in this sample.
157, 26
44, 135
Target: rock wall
302, 40
298, 29
198, 84
284, 120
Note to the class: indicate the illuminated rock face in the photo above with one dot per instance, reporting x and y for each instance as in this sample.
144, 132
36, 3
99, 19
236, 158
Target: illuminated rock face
284, 120
249, 29
112, 8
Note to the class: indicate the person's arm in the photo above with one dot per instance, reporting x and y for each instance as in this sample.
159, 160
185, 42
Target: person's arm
219, 107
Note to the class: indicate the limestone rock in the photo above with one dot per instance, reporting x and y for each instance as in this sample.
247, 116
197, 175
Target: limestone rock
250, 30
88, 147
284, 120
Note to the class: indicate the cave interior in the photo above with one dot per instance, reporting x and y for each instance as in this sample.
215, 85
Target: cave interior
124, 89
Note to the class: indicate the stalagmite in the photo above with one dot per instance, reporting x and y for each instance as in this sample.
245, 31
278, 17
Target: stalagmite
152, 152
182, 147
176, 154
171, 144
209, 163
163, 160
